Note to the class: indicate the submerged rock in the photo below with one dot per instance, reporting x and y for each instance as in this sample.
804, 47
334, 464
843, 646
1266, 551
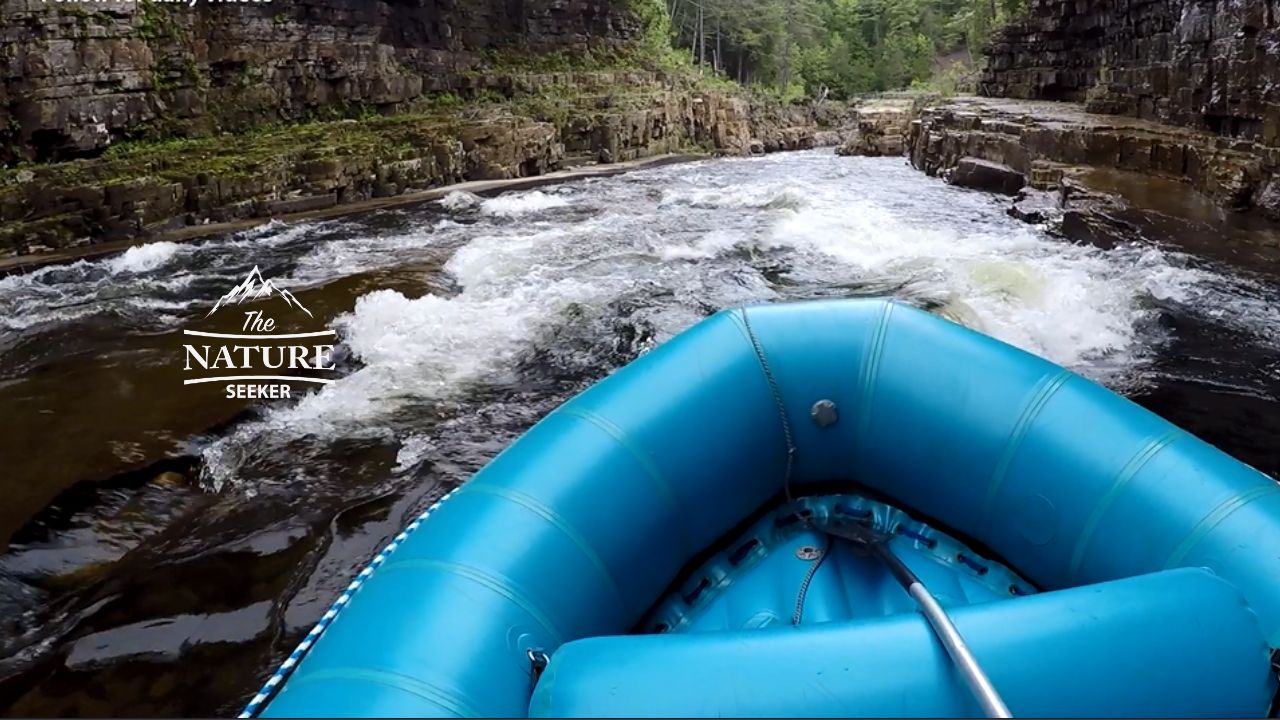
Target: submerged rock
170, 479
1036, 207
1269, 199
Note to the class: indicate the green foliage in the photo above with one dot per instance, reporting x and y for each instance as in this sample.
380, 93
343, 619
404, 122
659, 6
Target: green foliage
270, 148
840, 48
948, 82
155, 21
518, 60
443, 101
655, 36
138, 148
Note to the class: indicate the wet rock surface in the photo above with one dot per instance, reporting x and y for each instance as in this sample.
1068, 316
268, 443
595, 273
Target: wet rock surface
1040, 139
1076, 211
1185, 90
985, 175
1036, 207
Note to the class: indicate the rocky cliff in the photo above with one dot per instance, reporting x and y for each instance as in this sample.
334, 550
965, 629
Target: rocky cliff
554, 121
141, 189
1043, 140
1187, 90
74, 77
121, 120
1208, 64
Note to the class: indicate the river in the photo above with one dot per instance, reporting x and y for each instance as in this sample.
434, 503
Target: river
164, 548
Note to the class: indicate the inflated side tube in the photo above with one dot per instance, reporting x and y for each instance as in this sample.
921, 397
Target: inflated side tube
573, 531
1180, 643
578, 528
1068, 482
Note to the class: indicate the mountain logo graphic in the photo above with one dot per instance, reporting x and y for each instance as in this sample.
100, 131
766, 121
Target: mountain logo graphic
256, 287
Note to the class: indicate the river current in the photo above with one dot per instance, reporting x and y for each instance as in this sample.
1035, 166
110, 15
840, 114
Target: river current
162, 549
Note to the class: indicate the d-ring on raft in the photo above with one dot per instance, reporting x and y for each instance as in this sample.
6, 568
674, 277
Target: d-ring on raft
658, 546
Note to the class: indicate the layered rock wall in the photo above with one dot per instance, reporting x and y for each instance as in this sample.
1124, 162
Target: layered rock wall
161, 187
1208, 64
1041, 139
74, 77
881, 126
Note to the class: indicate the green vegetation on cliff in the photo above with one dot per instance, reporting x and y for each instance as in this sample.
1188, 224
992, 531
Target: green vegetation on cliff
835, 47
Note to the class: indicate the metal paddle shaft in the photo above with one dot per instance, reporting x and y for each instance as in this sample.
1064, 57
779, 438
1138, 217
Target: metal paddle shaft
974, 676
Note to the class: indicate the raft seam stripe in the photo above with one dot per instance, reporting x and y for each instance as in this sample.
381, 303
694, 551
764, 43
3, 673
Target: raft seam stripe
645, 461
493, 581
1130, 470
871, 368
421, 688
536, 507
1215, 518
1048, 386
282, 673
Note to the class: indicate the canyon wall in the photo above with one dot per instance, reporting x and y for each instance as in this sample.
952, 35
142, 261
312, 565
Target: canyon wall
1208, 64
1187, 90
261, 108
77, 76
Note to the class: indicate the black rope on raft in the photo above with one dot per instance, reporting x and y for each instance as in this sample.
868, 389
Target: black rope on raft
777, 399
798, 616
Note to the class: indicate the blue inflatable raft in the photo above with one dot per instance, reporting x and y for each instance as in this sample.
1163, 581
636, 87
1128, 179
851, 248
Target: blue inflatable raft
658, 546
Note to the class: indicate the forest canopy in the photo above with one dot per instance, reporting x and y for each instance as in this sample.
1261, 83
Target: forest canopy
834, 47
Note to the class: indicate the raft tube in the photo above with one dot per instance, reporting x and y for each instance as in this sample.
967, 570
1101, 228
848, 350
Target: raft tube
578, 528
1181, 643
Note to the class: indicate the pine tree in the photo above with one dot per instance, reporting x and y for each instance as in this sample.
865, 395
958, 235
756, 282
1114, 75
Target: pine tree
836, 47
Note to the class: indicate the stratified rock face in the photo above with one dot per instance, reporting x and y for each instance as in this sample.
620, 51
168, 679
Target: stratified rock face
1041, 140
1208, 64
881, 129
321, 165
980, 174
76, 76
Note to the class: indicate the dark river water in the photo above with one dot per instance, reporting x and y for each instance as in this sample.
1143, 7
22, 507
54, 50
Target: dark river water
163, 548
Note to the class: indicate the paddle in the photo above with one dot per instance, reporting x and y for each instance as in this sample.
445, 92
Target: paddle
878, 544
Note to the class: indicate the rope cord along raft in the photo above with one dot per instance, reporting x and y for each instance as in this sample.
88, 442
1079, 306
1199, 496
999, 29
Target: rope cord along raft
286, 668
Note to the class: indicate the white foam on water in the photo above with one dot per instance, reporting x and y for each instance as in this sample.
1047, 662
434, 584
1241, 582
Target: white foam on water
705, 247
460, 201
670, 235
414, 350
1079, 306
413, 450
146, 281
527, 203
277, 233
772, 196
144, 258
271, 228
359, 253
18, 318
175, 306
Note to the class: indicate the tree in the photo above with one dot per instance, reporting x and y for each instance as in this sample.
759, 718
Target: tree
842, 47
